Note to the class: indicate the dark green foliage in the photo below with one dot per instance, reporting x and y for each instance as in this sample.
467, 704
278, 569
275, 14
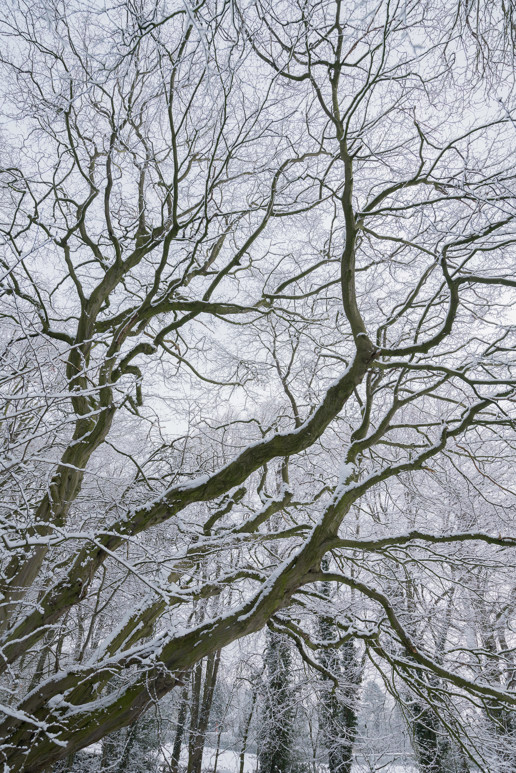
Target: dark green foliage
434, 749
338, 706
275, 753
430, 744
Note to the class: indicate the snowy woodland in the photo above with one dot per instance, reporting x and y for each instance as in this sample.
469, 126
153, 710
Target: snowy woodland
257, 386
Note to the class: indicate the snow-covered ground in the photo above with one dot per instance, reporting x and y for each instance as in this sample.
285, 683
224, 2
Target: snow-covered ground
228, 761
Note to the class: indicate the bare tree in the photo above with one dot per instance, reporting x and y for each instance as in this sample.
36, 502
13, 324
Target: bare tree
243, 243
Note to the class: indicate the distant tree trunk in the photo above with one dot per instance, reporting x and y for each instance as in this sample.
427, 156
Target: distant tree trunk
434, 748
109, 751
340, 715
195, 700
246, 729
431, 746
217, 752
497, 665
127, 748
505, 728
275, 746
180, 728
338, 709
45, 653
504, 719
202, 700
435, 751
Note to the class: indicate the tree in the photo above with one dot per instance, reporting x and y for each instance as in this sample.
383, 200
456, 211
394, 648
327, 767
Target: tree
339, 707
243, 241
201, 703
131, 750
275, 745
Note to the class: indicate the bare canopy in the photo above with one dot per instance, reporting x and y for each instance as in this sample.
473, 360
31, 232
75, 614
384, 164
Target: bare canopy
257, 277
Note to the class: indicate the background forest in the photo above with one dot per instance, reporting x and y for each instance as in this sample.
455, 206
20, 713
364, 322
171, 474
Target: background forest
257, 386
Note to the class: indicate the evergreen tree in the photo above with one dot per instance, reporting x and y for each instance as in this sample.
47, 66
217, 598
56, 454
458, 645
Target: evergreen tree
275, 751
338, 707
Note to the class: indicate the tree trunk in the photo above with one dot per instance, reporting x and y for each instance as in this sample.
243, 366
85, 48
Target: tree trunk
430, 745
338, 710
275, 750
246, 730
180, 728
201, 711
